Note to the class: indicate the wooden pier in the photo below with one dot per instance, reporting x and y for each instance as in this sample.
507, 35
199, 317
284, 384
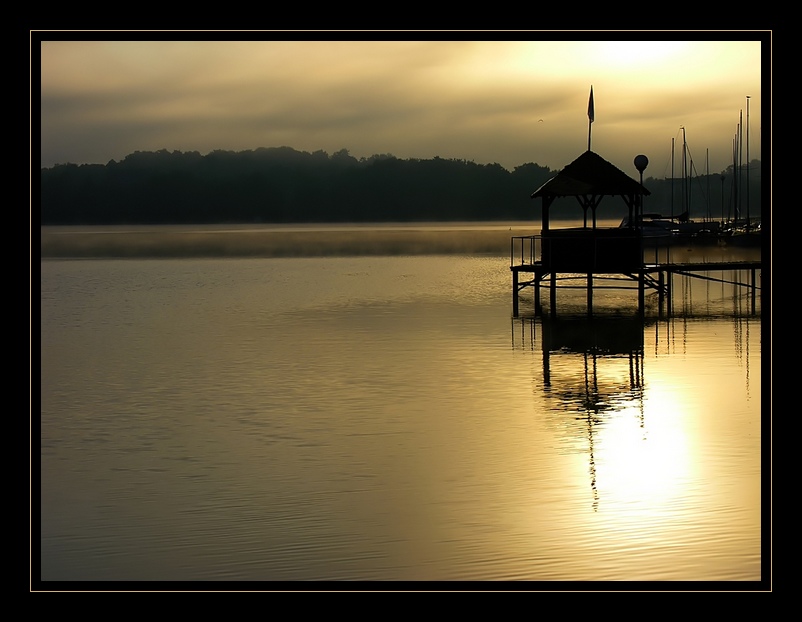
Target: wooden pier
597, 254
648, 276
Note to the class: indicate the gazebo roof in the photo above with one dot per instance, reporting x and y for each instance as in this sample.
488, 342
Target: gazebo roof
590, 174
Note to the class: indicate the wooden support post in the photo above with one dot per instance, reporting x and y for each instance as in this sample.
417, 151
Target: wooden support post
514, 292
660, 295
754, 290
538, 308
545, 338
641, 287
553, 294
590, 293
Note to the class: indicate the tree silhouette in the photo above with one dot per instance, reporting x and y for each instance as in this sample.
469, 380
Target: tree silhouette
282, 185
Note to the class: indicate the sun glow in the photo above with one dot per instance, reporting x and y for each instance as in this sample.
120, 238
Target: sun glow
620, 54
644, 456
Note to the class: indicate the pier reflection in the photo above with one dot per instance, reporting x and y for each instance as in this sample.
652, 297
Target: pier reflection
586, 341
631, 430
592, 366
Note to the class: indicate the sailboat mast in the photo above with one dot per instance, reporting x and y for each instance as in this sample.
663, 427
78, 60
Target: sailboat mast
735, 177
740, 156
672, 178
748, 221
707, 176
684, 172
687, 167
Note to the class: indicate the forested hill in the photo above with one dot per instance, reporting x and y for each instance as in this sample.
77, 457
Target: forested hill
281, 185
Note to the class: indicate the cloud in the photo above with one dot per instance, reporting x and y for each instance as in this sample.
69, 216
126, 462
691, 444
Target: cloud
477, 100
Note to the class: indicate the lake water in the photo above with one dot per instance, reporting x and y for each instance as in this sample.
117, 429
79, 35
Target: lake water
369, 410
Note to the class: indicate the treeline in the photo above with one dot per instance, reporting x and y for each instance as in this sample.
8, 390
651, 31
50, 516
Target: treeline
282, 185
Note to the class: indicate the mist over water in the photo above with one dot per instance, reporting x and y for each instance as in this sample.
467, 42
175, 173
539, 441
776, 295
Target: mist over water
277, 241
321, 241
325, 403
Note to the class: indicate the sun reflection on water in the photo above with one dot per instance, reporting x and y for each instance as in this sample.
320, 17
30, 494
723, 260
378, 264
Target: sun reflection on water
645, 460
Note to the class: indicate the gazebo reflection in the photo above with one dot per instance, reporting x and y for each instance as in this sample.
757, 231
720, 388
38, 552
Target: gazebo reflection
592, 367
589, 339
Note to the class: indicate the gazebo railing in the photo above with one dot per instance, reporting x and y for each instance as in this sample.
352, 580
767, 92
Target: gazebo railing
580, 250
526, 248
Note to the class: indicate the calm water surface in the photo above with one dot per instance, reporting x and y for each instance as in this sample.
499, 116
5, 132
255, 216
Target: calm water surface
385, 418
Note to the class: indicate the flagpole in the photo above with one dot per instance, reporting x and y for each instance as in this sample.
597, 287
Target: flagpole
591, 114
589, 124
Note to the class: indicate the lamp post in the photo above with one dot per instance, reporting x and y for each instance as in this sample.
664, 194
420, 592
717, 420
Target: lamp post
641, 162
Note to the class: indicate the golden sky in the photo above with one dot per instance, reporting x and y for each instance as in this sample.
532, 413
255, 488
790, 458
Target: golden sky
503, 101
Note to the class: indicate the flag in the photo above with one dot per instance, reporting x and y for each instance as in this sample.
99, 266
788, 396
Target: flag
591, 113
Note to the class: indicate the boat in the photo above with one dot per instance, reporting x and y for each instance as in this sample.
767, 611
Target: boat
742, 234
653, 226
688, 230
674, 230
682, 229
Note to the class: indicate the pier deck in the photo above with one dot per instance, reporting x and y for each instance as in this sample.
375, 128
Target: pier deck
655, 275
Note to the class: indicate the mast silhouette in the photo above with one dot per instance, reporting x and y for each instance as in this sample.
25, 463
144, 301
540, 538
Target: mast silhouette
748, 221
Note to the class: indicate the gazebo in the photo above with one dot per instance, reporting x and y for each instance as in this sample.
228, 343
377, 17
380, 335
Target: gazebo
586, 250
590, 249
